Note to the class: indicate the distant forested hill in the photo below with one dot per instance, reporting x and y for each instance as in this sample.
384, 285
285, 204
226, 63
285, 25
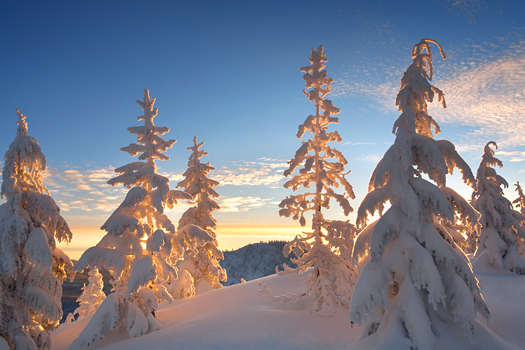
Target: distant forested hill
254, 261
249, 262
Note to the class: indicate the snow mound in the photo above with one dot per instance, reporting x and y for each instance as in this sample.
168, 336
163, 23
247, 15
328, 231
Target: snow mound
240, 317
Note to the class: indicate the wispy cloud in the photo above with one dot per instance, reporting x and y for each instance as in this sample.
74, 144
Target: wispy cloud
490, 97
78, 180
484, 86
515, 156
359, 143
76, 189
374, 158
238, 204
265, 171
83, 190
467, 9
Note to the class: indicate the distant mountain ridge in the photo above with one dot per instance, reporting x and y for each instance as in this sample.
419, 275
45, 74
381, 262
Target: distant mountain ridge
249, 262
254, 261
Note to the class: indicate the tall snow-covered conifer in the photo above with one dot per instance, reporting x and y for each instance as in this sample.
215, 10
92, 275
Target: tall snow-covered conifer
31, 267
141, 246
415, 281
502, 232
202, 262
326, 250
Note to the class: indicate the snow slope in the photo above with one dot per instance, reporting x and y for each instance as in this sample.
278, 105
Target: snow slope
239, 317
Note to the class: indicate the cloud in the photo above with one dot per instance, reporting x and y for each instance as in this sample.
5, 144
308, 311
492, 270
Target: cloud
471, 10
84, 190
374, 158
382, 93
238, 204
489, 97
359, 143
264, 172
484, 86
515, 156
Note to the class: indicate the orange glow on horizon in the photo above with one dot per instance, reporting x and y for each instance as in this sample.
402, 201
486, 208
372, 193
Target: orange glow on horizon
230, 237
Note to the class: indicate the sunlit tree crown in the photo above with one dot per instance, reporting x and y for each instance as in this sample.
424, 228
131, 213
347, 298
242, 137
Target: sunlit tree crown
315, 153
416, 91
150, 144
24, 163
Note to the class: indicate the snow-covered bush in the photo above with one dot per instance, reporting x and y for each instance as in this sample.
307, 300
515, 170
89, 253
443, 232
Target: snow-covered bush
323, 255
31, 267
140, 247
502, 227
415, 281
201, 261
92, 295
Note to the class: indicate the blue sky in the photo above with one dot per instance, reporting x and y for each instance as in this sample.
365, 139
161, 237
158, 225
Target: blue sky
228, 72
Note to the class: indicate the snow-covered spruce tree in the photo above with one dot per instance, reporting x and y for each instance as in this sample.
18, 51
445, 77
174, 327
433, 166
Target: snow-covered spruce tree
520, 201
323, 255
502, 232
31, 267
202, 262
414, 279
92, 295
140, 248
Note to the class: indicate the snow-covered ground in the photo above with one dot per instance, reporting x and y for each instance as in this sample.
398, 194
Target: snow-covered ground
239, 317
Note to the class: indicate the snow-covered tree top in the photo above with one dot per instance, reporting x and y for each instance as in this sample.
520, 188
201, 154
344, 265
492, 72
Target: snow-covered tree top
415, 146
416, 90
316, 78
22, 124
315, 154
24, 163
150, 144
195, 180
487, 178
197, 153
